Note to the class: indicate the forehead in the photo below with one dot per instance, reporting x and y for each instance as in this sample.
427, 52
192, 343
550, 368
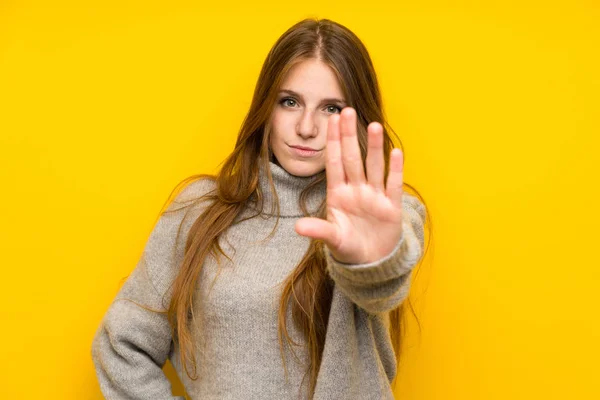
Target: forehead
313, 78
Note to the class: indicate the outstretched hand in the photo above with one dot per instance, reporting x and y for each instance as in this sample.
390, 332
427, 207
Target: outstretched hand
364, 218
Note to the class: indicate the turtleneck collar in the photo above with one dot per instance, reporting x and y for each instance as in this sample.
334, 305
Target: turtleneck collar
288, 188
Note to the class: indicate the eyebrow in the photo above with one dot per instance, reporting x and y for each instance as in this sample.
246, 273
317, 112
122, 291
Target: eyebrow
328, 100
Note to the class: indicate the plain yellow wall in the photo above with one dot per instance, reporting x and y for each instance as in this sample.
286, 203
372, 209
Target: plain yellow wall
106, 105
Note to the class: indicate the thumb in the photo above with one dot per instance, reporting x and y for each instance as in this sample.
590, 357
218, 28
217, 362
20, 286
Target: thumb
318, 228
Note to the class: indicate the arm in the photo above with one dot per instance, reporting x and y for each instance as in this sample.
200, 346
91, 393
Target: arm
132, 344
383, 285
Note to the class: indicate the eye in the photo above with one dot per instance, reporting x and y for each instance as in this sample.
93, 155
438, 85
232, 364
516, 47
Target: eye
285, 101
335, 108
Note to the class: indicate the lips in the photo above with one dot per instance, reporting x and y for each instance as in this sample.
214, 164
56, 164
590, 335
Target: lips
302, 152
304, 148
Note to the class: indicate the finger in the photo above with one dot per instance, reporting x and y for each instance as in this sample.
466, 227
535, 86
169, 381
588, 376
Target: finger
334, 169
351, 158
375, 161
318, 228
395, 177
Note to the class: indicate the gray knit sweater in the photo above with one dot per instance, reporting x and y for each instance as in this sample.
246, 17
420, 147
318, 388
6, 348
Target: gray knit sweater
238, 336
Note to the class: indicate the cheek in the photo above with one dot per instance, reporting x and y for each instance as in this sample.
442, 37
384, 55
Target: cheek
283, 123
275, 126
278, 130
323, 122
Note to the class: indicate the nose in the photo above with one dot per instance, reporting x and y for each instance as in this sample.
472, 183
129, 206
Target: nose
306, 126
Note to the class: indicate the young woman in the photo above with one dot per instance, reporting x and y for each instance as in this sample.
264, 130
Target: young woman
284, 275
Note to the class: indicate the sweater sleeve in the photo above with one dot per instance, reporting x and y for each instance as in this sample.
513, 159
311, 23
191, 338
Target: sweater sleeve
382, 285
132, 344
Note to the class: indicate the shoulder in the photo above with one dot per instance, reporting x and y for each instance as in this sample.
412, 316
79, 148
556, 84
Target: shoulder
165, 248
192, 189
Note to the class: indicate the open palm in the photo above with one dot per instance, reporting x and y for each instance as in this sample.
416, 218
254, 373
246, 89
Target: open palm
364, 217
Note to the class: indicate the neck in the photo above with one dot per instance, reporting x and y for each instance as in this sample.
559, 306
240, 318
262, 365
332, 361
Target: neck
288, 188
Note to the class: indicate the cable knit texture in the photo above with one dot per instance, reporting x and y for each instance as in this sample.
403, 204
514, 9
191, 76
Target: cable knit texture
237, 338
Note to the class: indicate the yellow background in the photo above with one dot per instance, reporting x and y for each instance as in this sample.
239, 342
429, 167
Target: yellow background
106, 105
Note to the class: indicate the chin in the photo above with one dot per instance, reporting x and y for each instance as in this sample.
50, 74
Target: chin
301, 169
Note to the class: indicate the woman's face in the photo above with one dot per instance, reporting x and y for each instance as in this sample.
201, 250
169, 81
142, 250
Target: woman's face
309, 95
